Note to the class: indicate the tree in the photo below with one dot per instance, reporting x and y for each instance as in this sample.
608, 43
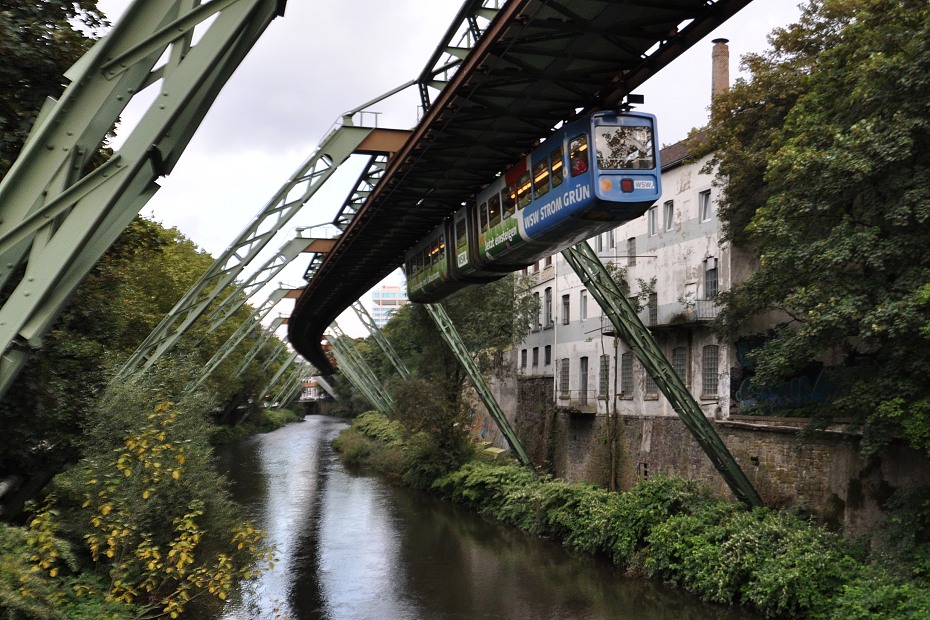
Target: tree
824, 156
39, 41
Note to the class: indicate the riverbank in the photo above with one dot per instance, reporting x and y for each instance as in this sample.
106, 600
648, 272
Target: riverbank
263, 421
777, 563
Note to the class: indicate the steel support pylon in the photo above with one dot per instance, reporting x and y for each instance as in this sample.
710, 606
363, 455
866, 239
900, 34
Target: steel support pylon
56, 215
637, 336
247, 327
362, 313
451, 336
277, 376
356, 365
334, 149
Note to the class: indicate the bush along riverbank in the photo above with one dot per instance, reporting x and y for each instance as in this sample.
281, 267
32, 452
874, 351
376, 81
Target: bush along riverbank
778, 563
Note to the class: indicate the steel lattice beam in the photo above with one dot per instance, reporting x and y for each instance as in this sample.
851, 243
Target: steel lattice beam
334, 150
637, 336
56, 216
374, 391
376, 333
247, 327
451, 336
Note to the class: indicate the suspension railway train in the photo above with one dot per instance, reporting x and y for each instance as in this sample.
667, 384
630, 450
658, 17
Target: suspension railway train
555, 197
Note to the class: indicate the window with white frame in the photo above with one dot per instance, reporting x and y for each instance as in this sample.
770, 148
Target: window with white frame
547, 308
583, 380
709, 371
653, 306
710, 278
563, 377
631, 252
548, 354
652, 217
600, 243
538, 312
610, 239
523, 358
668, 214
705, 207
566, 307
583, 305
535, 356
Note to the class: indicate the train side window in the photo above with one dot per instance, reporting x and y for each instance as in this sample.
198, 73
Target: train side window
418, 262
509, 199
460, 237
483, 216
494, 210
541, 178
578, 155
524, 196
442, 247
558, 168
434, 252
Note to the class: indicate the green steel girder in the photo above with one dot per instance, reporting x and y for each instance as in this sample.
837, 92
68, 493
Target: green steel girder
466, 29
247, 327
451, 336
362, 313
637, 336
262, 276
274, 355
333, 150
290, 388
366, 182
347, 366
57, 217
262, 340
342, 344
277, 376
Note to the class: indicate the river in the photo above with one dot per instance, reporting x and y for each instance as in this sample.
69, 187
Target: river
353, 547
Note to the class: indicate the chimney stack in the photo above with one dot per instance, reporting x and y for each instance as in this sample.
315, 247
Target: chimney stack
720, 76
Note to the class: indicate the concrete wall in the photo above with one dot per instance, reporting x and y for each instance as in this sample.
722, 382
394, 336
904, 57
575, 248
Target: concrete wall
824, 473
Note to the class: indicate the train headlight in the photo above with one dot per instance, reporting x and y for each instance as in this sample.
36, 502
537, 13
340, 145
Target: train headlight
606, 184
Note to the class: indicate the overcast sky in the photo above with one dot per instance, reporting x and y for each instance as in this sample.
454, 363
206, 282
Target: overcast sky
324, 58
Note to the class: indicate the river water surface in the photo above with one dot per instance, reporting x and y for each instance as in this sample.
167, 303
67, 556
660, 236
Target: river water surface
353, 547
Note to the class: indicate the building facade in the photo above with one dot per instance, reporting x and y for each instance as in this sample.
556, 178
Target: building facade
386, 300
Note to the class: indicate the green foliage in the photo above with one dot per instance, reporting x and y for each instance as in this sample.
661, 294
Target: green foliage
825, 155
877, 595
38, 43
147, 505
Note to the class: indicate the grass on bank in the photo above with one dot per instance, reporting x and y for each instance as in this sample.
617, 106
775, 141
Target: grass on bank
781, 564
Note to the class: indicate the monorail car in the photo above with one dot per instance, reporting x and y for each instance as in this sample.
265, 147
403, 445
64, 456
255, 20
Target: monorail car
555, 197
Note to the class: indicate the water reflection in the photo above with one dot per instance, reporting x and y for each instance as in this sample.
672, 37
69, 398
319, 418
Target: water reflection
351, 547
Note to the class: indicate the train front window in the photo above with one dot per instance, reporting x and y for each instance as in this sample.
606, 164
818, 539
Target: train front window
509, 197
483, 216
558, 169
578, 155
624, 148
460, 233
524, 195
494, 209
541, 178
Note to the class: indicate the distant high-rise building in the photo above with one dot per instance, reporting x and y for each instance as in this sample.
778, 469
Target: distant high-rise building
387, 299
